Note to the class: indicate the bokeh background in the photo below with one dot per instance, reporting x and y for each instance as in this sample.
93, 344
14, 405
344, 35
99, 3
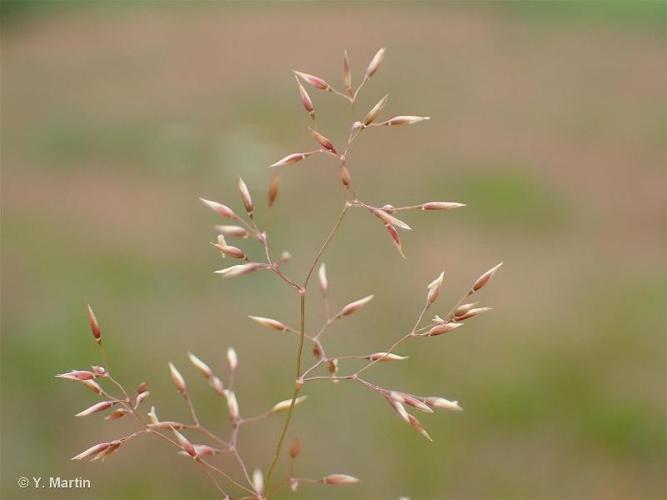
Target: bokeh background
548, 120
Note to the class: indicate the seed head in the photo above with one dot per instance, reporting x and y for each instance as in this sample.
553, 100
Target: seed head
485, 278
217, 385
77, 375
332, 367
232, 405
397, 121
166, 424
97, 407
375, 111
201, 367
229, 250
472, 313
385, 356
417, 425
219, 208
323, 141
353, 307
347, 75
338, 479
324, 283
434, 288
315, 81
442, 403
291, 158
464, 308
116, 414
443, 328
375, 63
240, 269
395, 238
269, 323
232, 359
92, 385
390, 219
185, 444
441, 205
258, 482
305, 99
236, 231
247, 199
204, 450
140, 398
94, 325
92, 451
99, 371
177, 379
273, 189
295, 448
285, 405
345, 176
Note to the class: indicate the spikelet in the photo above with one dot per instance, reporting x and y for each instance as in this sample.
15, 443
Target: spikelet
485, 278
375, 63
313, 80
285, 405
353, 307
94, 325
269, 323
177, 379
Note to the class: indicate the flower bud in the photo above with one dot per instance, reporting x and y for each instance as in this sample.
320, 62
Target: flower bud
178, 379
347, 75
285, 405
92, 451
395, 238
443, 328
323, 141
397, 121
201, 367
441, 205
485, 278
291, 158
97, 407
324, 283
94, 325
295, 448
375, 111
338, 479
219, 208
315, 81
305, 99
269, 323
434, 288
442, 403
273, 189
245, 196
237, 231
232, 359
353, 307
375, 63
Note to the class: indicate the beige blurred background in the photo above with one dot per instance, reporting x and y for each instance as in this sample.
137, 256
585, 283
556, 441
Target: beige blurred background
548, 120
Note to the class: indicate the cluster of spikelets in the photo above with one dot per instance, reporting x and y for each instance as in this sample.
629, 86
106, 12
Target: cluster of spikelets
118, 402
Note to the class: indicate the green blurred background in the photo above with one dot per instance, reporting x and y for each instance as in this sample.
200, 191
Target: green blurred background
548, 120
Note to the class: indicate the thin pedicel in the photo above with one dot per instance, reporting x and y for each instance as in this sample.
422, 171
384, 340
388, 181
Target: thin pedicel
182, 435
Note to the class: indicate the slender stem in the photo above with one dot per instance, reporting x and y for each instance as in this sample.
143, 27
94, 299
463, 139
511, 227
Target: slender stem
324, 246
297, 388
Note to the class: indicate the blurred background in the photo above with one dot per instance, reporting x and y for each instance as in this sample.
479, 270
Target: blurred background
548, 121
